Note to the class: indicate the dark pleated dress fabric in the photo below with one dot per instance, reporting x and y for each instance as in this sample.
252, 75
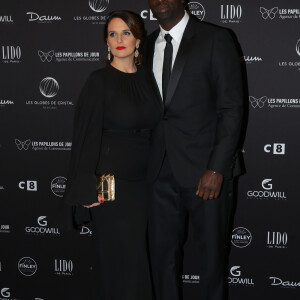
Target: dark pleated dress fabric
121, 225
129, 113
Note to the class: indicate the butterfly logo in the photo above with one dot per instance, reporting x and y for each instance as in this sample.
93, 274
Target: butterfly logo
257, 102
46, 56
268, 13
23, 145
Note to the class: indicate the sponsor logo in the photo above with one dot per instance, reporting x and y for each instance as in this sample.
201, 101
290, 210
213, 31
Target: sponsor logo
147, 14
4, 103
276, 148
46, 56
58, 186
251, 59
11, 54
42, 229
63, 267
29, 185
275, 281
77, 56
231, 14
236, 279
42, 221
279, 13
257, 102
49, 87
85, 231
27, 266
190, 278
22, 145
241, 237
277, 240
267, 193
6, 19
273, 102
292, 64
6, 294
4, 228
266, 185
298, 47
47, 104
98, 7
35, 17
268, 13
197, 9
42, 146
234, 271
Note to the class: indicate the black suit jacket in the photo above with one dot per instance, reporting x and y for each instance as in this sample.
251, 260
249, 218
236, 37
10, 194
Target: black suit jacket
201, 119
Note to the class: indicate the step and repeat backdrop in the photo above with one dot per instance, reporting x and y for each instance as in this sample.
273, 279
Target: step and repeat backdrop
47, 50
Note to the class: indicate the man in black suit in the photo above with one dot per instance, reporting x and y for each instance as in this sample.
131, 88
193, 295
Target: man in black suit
196, 73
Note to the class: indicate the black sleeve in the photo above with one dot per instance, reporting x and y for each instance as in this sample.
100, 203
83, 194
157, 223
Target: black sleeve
226, 70
87, 131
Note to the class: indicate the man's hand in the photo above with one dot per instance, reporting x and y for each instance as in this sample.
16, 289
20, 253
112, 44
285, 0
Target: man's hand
210, 184
100, 200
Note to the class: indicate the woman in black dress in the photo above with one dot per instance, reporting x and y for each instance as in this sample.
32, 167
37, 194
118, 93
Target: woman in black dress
112, 130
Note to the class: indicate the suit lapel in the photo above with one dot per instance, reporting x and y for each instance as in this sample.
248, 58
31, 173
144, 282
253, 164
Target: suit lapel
180, 60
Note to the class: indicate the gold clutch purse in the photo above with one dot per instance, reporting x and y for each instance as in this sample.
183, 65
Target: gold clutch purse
106, 186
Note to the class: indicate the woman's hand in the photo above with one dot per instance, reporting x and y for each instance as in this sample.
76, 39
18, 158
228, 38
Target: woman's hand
100, 201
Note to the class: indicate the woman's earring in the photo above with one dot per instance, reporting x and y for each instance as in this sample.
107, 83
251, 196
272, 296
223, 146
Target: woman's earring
136, 52
108, 55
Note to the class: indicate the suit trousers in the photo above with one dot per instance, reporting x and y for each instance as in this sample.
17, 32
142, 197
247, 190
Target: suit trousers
171, 208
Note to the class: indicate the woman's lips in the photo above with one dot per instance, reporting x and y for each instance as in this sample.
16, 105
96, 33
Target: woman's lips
121, 48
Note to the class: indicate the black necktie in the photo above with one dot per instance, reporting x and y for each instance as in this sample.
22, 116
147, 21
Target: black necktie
167, 66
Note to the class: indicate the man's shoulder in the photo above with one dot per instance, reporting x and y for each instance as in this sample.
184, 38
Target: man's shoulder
207, 31
202, 26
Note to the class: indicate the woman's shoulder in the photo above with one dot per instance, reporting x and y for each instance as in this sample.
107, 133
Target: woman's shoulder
97, 77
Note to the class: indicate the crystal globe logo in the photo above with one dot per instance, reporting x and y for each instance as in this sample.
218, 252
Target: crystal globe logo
49, 87
98, 5
27, 266
298, 47
196, 9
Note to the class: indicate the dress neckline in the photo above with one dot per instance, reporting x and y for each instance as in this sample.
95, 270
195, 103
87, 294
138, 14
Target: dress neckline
121, 72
